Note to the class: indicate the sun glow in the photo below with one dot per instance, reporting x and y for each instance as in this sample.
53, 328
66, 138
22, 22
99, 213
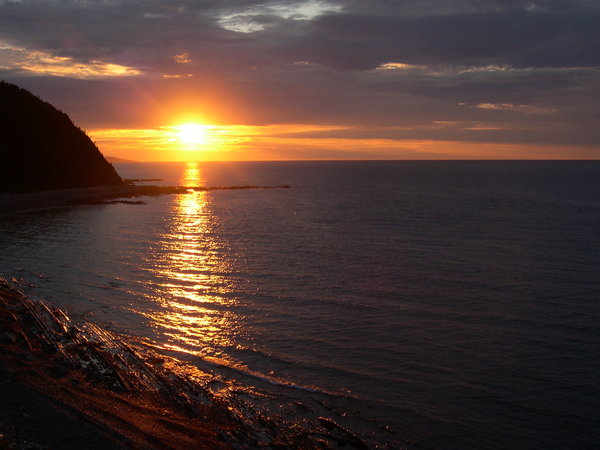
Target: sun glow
192, 133
294, 142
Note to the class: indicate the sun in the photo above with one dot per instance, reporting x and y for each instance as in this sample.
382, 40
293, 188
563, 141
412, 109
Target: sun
192, 133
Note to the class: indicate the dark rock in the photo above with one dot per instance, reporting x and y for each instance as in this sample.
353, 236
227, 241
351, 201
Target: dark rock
31, 446
225, 436
8, 338
26, 356
59, 370
126, 202
41, 148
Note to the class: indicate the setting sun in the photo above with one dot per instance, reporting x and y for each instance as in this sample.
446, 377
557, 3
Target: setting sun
192, 133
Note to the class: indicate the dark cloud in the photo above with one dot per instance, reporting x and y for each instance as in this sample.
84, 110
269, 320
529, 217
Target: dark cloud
548, 34
518, 38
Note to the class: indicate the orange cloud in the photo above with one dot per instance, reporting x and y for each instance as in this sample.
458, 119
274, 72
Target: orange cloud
182, 58
42, 63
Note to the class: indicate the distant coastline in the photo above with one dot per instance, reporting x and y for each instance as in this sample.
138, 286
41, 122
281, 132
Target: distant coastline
114, 159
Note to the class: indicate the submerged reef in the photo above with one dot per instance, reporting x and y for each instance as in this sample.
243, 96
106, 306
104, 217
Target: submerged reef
42, 149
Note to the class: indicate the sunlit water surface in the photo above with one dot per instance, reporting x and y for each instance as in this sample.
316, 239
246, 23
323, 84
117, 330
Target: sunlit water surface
452, 303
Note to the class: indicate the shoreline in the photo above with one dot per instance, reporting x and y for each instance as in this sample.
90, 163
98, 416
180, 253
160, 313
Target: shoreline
11, 203
133, 400
54, 393
66, 385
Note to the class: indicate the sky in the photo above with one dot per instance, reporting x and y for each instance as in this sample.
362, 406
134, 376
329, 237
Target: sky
275, 80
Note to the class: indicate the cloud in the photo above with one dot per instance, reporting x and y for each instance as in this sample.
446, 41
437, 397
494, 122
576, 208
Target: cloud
502, 71
342, 35
515, 37
42, 63
182, 58
262, 15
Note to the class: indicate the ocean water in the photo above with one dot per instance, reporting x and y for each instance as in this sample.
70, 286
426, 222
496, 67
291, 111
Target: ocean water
451, 304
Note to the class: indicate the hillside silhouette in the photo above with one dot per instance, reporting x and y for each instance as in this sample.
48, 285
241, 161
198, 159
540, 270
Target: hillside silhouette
41, 148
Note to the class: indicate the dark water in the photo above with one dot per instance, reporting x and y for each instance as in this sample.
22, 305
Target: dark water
452, 303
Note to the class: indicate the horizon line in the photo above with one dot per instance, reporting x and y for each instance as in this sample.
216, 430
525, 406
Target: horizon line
123, 161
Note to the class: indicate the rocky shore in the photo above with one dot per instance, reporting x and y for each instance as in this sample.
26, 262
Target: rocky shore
65, 385
19, 203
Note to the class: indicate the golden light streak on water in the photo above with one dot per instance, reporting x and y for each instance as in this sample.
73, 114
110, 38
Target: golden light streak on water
194, 317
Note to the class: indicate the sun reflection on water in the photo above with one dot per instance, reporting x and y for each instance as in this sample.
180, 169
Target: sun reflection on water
195, 317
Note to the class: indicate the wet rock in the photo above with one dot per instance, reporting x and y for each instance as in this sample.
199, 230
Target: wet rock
340, 435
8, 338
125, 202
30, 446
226, 436
25, 339
262, 440
59, 370
26, 356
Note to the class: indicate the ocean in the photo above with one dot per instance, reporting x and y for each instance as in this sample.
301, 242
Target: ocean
450, 305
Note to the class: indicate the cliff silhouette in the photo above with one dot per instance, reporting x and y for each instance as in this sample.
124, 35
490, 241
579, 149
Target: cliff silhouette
41, 148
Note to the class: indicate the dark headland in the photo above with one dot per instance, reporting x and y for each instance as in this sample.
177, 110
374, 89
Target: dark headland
42, 149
